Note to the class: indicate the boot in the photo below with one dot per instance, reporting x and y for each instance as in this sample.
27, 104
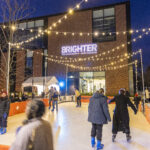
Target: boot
128, 137
3, 131
113, 137
93, 141
99, 145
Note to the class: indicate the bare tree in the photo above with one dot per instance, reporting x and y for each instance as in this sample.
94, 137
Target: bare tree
12, 12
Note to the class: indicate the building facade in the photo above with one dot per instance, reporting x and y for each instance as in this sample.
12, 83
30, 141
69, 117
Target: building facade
76, 38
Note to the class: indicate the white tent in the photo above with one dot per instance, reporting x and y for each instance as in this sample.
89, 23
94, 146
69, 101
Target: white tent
42, 83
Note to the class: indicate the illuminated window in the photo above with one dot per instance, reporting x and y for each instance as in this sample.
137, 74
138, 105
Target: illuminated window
29, 64
23, 25
31, 24
39, 23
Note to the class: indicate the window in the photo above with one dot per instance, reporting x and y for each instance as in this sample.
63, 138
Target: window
90, 82
39, 23
45, 61
31, 24
22, 26
104, 24
29, 64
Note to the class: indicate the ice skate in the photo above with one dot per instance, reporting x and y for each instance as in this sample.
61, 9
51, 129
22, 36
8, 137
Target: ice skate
99, 145
113, 137
128, 138
3, 131
93, 142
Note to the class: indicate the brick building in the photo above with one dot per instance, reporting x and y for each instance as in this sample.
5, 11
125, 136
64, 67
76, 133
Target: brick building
107, 20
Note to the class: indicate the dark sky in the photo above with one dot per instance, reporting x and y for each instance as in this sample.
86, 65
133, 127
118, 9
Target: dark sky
140, 16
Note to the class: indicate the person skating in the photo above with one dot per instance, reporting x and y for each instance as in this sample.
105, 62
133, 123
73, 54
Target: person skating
4, 111
121, 115
35, 133
55, 99
78, 97
137, 100
147, 94
51, 92
98, 115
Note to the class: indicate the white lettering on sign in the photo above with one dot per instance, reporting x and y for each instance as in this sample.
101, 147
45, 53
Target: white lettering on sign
79, 49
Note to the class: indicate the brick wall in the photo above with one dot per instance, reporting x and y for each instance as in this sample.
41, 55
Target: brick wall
20, 69
82, 22
3, 71
37, 63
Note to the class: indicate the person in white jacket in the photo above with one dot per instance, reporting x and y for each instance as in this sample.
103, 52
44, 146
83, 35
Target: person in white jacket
36, 133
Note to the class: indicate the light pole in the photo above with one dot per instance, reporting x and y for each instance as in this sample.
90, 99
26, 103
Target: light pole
136, 76
140, 51
66, 79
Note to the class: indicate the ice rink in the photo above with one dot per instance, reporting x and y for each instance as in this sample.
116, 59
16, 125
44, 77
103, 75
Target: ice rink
71, 130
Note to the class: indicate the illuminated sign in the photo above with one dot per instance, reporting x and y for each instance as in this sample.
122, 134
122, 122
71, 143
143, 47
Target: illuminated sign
79, 49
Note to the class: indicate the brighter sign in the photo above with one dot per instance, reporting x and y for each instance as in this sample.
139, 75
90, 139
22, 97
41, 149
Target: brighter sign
79, 49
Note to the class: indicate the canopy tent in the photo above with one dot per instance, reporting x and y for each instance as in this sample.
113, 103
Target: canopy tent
42, 83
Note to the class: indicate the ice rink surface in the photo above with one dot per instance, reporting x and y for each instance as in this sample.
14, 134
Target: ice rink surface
71, 130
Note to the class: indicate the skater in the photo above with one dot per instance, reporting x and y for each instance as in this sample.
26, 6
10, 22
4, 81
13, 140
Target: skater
51, 92
98, 114
121, 115
4, 112
127, 93
55, 99
35, 133
137, 100
78, 97
147, 94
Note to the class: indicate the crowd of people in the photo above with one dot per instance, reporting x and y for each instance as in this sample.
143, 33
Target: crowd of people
36, 133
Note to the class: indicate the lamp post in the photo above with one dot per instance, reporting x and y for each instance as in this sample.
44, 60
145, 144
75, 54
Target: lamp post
136, 76
140, 51
66, 79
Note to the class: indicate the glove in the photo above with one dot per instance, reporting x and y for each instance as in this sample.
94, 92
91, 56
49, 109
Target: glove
5, 115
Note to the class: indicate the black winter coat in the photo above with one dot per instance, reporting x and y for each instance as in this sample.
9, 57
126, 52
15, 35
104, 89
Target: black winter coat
4, 106
98, 112
121, 115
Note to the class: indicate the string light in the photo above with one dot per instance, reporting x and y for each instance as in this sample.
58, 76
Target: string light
70, 11
77, 33
13, 27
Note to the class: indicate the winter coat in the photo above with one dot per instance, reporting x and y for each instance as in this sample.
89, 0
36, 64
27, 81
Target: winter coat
98, 112
4, 106
42, 140
121, 115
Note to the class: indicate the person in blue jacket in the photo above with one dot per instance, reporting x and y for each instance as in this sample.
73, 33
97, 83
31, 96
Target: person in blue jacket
98, 115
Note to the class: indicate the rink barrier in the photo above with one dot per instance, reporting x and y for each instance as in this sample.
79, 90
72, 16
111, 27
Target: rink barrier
4, 147
20, 107
147, 112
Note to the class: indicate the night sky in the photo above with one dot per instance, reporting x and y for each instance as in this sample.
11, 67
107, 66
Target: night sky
140, 16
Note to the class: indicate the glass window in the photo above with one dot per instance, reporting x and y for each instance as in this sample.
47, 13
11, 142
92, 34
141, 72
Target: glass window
23, 25
109, 12
31, 24
90, 82
98, 13
29, 59
104, 22
39, 23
